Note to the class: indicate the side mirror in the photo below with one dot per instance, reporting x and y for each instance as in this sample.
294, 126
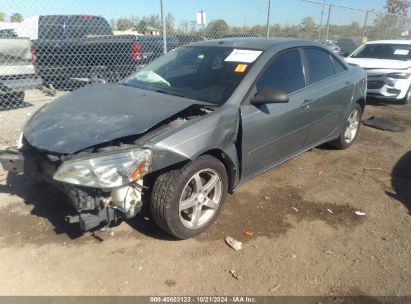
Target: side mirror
346, 54
269, 95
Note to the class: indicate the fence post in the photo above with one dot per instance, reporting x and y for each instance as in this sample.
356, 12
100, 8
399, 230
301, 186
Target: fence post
163, 23
328, 24
268, 18
364, 28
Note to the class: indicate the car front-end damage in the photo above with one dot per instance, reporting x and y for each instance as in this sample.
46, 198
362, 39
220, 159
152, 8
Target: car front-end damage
103, 187
104, 182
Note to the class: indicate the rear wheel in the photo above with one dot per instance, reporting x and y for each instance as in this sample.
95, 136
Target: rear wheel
186, 201
350, 130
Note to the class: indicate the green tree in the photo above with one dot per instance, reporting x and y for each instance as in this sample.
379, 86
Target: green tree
16, 17
142, 27
308, 27
217, 28
2, 16
123, 24
397, 7
170, 23
153, 21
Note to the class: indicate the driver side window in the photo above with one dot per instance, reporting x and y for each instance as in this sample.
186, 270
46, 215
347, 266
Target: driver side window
285, 72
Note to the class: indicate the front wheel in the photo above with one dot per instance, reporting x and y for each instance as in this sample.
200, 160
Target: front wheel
407, 97
186, 201
350, 130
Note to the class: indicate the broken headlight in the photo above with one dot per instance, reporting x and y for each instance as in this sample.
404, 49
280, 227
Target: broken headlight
106, 171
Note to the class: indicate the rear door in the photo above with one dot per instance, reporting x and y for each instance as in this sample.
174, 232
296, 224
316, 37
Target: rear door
274, 132
328, 95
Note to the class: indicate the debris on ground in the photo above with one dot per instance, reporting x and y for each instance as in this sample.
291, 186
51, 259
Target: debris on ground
321, 173
235, 275
236, 245
295, 209
330, 211
266, 198
329, 252
383, 124
275, 287
370, 169
170, 283
360, 213
248, 233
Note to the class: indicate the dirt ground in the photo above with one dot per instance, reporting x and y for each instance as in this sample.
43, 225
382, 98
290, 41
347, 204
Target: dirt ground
307, 239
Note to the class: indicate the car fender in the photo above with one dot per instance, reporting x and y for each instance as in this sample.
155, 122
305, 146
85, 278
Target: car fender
216, 131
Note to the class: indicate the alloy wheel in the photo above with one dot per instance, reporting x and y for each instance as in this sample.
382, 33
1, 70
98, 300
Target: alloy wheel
200, 198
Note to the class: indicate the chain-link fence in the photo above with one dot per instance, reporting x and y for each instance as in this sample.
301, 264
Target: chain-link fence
49, 48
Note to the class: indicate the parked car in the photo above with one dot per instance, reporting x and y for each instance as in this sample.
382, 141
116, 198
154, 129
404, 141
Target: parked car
17, 72
189, 128
347, 45
388, 67
83, 46
333, 46
7, 33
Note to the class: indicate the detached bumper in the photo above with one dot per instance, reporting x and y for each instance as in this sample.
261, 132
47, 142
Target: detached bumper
14, 161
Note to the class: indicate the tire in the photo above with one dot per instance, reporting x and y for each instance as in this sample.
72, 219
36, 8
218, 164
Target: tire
187, 184
407, 97
345, 140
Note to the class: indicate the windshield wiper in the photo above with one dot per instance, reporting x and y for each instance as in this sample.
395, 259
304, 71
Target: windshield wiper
171, 93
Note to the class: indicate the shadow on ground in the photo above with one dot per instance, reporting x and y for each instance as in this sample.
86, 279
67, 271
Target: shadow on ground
401, 181
270, 213
47, 204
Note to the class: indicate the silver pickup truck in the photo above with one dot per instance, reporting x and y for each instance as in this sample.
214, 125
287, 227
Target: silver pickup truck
17, 72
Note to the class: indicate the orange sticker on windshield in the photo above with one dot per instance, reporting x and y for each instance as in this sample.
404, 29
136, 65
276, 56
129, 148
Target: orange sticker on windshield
240, 68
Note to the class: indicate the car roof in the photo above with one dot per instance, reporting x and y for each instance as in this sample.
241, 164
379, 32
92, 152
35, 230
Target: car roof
390, 42
257, 42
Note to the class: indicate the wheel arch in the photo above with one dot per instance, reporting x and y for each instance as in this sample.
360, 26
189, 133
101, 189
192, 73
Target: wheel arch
361, 102
228, 164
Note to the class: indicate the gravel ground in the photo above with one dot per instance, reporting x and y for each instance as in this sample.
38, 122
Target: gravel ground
307, 238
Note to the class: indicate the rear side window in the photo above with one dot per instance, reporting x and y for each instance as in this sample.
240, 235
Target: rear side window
50, 27
80, 26
338, 66
285, 72
320, 65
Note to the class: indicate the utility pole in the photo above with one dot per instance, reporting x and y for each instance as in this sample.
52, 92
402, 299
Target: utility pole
328, 24
268, 18
163, 21
321, 21
364, 28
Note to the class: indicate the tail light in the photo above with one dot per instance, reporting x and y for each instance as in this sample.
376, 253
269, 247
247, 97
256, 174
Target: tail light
34, 54
136, 51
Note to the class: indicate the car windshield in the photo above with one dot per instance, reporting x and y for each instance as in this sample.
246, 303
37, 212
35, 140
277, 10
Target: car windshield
384, 51
205, 73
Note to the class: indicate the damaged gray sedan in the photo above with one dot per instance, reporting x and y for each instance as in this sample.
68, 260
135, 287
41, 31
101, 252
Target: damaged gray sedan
189, 128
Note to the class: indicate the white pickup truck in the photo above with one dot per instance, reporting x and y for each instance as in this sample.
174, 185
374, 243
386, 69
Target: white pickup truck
17, 72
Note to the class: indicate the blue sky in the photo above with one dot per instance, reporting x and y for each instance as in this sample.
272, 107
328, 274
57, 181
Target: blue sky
236, 12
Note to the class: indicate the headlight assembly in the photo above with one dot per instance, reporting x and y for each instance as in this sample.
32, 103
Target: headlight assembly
106, 171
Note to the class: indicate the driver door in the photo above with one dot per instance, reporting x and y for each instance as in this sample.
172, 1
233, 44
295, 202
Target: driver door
274, 132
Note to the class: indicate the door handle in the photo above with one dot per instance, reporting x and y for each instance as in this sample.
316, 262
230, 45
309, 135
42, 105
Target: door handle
306, 103
347, 85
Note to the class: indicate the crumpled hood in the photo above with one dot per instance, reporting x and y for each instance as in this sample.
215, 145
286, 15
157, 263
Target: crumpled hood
97, 114
370, 63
